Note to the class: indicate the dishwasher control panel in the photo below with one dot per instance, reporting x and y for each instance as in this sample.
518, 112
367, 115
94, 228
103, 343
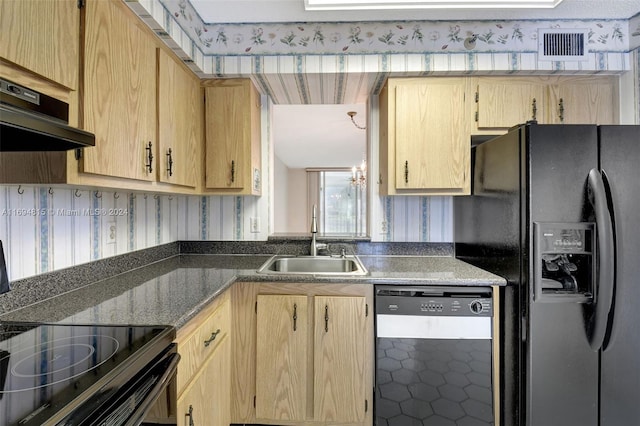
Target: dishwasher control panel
432, 301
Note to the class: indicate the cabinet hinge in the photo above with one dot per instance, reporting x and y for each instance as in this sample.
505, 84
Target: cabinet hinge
78, 154
477, 97
476, 116
256, 306
366, 310
81, 4
366, 405
254, 401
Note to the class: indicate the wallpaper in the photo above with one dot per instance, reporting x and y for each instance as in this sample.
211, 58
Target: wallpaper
306, 63
382, 37
45, 229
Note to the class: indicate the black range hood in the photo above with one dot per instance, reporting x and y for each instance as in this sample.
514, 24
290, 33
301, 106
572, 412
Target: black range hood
33, 121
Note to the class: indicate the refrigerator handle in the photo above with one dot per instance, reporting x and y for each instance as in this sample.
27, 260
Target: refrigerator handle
605, 279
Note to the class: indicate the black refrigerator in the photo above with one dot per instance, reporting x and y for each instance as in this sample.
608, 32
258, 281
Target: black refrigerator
555, 209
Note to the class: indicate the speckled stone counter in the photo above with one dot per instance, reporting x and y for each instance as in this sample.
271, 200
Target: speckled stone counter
173, 290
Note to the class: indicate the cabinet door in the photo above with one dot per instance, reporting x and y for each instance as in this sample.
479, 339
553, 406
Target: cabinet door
120, 92
339, 359
506, 102
233, 158
207, 400
43, 37
586, 100
432, 146
180, 117
281, 357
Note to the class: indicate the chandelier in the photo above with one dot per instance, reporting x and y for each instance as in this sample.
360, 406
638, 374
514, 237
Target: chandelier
359, 175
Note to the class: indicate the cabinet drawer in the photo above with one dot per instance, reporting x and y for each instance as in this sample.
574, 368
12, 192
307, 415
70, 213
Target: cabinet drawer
196, 347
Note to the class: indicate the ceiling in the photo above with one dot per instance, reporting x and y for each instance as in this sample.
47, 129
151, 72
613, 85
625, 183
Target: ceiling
319, 135
237, 11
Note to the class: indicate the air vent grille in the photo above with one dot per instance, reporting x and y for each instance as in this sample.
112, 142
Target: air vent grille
562, 45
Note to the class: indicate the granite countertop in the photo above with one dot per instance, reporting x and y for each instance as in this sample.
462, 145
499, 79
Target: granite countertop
173, 290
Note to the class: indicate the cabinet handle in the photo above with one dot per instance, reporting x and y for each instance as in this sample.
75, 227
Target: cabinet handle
534, 109
561, 110
212, 338
295, 316
233, 171
326, 318
190, 415
406, 172
170, 162
149, 164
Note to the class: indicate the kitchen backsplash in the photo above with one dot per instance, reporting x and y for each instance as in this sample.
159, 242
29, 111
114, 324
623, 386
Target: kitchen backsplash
45, 229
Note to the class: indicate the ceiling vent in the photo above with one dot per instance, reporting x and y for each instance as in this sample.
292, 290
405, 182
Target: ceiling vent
562, 44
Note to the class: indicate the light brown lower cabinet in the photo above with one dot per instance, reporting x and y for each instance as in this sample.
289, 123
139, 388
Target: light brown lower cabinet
302, 354
205, 401
276, 354
203, 371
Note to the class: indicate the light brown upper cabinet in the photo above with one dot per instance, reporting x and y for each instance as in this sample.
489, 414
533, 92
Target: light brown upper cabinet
503, 102
424, 140
233, 157
180, 122
584, 100
120, 93
44, 37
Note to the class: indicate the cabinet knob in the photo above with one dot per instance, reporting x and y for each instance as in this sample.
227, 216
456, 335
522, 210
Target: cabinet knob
212, 338
326, 318
295, 316
561, 110
149, 164
233, 171
406, 172
534, 109
190, 415
170, 162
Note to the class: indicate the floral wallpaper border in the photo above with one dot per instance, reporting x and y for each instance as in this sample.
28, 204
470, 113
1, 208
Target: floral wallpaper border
385, 37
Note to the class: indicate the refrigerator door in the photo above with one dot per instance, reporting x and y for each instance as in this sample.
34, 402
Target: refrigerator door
562, 370
620, 370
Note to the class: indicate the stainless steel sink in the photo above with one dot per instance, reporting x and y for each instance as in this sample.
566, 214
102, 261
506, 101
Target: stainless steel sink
313, 265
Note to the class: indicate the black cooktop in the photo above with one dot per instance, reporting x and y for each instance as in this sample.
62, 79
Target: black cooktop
49, 370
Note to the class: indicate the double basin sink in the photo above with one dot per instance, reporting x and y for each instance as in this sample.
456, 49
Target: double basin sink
313, 265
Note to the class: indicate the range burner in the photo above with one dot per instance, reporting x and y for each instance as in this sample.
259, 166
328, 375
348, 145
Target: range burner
48, 371
59, 359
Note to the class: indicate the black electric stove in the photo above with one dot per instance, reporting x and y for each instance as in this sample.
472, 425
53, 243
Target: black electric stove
74, 374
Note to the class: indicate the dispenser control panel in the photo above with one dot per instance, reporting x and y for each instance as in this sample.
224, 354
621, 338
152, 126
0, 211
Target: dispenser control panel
564, 261
565, 239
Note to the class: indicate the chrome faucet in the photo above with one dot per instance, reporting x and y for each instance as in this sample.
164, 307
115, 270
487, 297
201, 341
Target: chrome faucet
314, 230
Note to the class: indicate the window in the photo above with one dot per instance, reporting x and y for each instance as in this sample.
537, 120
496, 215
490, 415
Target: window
342, 208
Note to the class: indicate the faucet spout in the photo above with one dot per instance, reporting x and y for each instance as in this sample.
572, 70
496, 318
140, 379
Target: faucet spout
314, 221
314, 230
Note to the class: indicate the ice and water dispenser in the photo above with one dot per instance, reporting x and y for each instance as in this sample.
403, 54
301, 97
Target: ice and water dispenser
564, 262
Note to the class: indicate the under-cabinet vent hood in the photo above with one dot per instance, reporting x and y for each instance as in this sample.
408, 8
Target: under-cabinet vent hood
557, 44
33, 121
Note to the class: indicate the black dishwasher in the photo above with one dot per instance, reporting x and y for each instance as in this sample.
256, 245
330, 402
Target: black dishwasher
434, 356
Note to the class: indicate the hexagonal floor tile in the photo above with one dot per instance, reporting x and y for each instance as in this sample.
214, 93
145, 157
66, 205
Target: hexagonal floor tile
394, 392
